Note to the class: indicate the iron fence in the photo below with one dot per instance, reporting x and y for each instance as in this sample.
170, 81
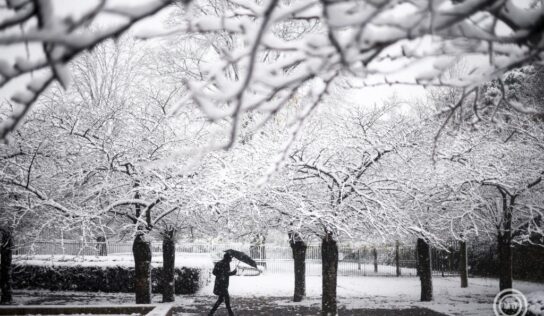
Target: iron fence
353, 261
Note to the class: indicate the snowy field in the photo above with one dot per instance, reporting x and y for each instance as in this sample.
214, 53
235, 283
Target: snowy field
354, 293
384, 292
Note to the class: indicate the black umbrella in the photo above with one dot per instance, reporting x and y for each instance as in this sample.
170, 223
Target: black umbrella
242, 257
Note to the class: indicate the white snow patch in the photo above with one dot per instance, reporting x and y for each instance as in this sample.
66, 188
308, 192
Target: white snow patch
382, 292
188, 260
354, 292
535, 303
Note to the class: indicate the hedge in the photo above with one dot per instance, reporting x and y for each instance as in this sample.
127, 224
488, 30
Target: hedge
101, 279
526, 261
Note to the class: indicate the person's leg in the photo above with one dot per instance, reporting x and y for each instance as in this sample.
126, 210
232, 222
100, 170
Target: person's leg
227, 303
216, 305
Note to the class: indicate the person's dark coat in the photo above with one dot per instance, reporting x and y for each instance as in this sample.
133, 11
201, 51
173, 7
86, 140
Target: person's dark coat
222, 272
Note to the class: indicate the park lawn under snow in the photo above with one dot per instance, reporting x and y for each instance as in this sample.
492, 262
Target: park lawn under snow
383, 292
354, 292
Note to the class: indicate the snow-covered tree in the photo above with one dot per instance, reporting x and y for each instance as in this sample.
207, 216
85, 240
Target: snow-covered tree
373, 43
104, 149
479, 180
502, 194
340, 169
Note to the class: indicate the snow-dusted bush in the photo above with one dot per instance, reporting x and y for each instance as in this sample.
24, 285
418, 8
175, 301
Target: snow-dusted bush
100, 278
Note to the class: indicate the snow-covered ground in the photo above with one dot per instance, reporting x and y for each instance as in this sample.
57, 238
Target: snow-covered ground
383, 292
354, 292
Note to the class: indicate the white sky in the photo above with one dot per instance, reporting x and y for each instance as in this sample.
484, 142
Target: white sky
376, 95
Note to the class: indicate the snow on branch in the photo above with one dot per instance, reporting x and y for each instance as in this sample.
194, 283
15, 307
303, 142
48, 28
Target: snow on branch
62, 39
357, 40
259, 69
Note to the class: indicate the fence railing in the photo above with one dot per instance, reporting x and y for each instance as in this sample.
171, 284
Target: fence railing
363, 261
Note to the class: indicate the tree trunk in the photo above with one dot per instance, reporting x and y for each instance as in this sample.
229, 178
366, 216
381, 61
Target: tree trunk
141, 249
397, 258
440, 259
505, 262
101, 246
168, 265
329, 258
417, 261
505, 243
463, 263
359, 259
298, 246
424, 269
6, 252
375, 254
451, 260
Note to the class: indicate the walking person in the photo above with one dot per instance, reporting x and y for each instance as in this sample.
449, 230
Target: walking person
222, 272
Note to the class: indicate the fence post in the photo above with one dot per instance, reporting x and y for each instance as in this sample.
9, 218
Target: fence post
451, 260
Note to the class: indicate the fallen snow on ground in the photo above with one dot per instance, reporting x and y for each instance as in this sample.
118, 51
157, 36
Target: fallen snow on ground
382, 292
356, 292
189, 260
535, 301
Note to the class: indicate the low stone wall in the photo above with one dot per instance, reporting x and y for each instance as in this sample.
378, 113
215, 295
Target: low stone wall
143, 309
103, 279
